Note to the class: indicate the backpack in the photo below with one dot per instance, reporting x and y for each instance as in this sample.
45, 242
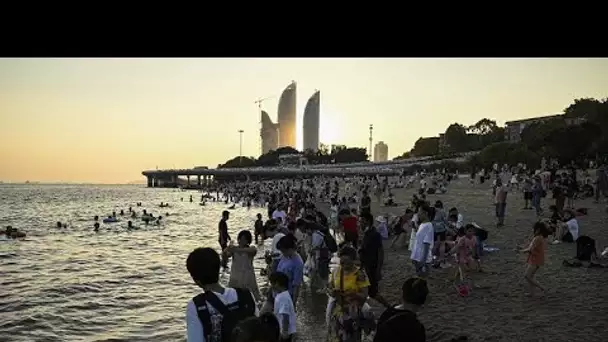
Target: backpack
585, 248
230, 314
330, 243
393, 321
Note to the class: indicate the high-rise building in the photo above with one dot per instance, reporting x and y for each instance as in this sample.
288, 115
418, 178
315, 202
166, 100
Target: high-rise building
269, 134
311, 122
287, 116
380, 152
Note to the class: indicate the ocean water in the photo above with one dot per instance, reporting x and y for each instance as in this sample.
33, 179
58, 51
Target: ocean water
114, 285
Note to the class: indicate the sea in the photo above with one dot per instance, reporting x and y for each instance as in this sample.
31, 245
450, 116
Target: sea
74, 284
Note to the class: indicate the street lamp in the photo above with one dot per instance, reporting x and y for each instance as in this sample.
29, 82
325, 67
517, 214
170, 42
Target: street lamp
240, 146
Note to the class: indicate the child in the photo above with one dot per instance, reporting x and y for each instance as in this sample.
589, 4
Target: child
242, 274
536, 254
283, 306
466, 251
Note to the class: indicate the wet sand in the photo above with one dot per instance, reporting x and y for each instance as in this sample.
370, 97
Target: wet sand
500, 308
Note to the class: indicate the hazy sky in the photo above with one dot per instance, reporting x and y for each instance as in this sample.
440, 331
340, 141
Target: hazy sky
106, 120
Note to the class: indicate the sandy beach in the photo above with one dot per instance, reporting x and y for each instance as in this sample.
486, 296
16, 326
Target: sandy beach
499, 308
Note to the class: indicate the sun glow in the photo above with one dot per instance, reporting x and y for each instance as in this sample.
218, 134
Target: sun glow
329, 130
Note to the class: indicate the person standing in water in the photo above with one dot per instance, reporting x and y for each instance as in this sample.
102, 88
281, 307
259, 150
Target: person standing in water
224, 237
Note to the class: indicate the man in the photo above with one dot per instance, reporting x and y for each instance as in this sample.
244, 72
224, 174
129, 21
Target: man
425, 238
206, 309
372, 257
258, 227
280, 212
500, 201
292, 265
366, 203
224, 237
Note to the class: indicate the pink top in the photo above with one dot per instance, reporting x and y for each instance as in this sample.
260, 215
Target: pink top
465, 249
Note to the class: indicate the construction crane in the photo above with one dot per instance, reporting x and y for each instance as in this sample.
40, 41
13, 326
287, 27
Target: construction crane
259, 103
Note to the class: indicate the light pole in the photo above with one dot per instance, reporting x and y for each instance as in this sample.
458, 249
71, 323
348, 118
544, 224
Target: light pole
371, 128
240, 146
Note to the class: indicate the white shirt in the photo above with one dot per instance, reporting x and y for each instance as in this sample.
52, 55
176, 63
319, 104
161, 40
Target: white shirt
279, 213
194, 327
573, 228
423, 184
275, 241
424, 235
283, 305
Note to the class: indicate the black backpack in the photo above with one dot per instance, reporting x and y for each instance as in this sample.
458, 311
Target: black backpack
394, 321
330, 242
585, 248
231, 314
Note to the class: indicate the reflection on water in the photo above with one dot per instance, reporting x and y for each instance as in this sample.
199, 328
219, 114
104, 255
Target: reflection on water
73, 284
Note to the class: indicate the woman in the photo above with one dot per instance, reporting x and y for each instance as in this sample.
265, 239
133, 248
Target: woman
348, 294
242, 274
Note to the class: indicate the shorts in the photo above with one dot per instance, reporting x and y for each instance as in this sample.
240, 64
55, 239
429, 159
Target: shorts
422, 269
441, 236
527, 195
372, 273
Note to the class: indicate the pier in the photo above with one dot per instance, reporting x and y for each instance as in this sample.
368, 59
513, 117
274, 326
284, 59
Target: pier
200, 177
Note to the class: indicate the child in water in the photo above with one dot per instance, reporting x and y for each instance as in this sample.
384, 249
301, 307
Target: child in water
536, 254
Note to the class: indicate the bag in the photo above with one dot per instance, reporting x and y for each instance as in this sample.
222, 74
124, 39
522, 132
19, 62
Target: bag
329, 241
585, 248
392, 319
230, 314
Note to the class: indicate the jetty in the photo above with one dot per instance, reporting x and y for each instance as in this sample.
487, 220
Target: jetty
201, 176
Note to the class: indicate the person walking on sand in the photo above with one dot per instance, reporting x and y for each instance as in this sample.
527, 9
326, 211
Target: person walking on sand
242, 274
500, 201
536, 254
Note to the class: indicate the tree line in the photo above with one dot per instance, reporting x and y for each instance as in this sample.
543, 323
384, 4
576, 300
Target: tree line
581, 133
324, 155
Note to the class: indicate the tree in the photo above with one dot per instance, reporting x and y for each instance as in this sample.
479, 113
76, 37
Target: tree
456, 137
349, 155
483, 126
504, 153
425, 147
238, 162
405, 155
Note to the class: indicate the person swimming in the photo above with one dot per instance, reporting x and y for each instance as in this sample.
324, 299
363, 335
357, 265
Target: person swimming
96, 227
58, 224
13, 233
122, 212
96, 218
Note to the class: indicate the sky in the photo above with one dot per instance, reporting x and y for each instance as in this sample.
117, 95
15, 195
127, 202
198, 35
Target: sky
106, 120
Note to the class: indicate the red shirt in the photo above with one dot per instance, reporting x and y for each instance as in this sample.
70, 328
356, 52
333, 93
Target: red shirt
350, 224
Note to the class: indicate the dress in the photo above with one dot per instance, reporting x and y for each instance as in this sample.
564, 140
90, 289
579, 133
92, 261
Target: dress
344, 315
242, 274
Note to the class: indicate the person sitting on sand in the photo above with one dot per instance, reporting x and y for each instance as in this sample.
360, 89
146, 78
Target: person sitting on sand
400, 323
536, 254
568, 231
402, 228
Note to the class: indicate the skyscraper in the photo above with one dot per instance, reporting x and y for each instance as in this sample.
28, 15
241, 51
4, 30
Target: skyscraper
287, 116
380, 152
311, 122
269, 134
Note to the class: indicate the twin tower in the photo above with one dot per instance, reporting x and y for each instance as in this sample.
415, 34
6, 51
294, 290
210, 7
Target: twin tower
283, 133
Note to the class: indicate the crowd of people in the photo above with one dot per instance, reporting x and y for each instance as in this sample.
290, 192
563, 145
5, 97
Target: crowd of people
304, 240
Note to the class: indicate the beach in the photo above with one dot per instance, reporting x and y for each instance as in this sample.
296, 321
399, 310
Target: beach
118, 285
498, 308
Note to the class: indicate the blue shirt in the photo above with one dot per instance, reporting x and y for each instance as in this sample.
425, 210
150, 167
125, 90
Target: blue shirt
293, 267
